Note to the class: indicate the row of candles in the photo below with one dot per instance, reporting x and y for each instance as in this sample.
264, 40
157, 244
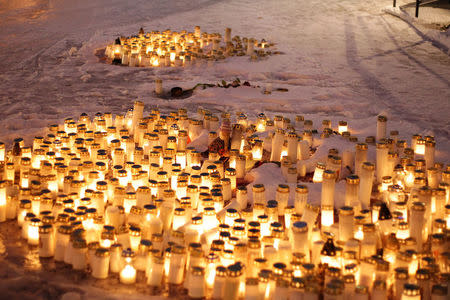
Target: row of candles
127, 195
171, 48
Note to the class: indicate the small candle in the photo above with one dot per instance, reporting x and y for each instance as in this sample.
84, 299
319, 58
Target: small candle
100, 263
342, 127
33, 232
46, 241
197, 286
232, 282
61, 241
79, 254
219, 283
156, 271
128, 272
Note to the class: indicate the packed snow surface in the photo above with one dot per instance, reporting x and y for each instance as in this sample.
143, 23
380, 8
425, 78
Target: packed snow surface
343, 60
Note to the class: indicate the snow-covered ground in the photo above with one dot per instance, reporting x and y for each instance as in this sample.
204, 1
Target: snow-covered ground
343, 60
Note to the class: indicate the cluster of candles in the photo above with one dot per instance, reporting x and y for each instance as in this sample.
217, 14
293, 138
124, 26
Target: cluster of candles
127, 196
171, 48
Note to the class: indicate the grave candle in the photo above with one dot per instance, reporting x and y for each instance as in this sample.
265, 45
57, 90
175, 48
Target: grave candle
128, 272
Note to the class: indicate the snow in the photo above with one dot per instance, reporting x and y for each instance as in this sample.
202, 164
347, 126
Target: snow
343, 60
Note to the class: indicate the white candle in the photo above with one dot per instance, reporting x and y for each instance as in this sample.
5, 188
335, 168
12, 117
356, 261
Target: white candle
33, 232
158, 86
176, 267
381, 128
346, 223
2, 201
197, 286
61, 241
232, 282
156, 270
417, 223
301, 198
219, 283
300, 238
277, 144
360, 156
79, 254
46, 241
100, 263
292, 146
382, 161
128, 272
328, 184
351, 191
365, 185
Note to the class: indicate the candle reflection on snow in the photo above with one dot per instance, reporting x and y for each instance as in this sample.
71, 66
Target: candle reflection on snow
128, 195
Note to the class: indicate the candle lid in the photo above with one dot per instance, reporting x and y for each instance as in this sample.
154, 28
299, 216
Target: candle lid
329, 174
410, 289
235, 270
46, 228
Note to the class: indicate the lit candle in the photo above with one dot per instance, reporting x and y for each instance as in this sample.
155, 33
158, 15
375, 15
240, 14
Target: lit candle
128, 272
318, 172
342, 127
33, 231
2, 201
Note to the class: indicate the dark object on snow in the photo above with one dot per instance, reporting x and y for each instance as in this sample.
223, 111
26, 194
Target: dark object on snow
141, 31
384, 213
17, 150
176, 92
117, 42
117, 61
218, 145
329, 249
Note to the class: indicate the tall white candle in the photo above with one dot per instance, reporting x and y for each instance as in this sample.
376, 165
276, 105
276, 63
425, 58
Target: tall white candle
360, 156
382, 161
365, 185
328, 185
277, 144
2, 201
381, 127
